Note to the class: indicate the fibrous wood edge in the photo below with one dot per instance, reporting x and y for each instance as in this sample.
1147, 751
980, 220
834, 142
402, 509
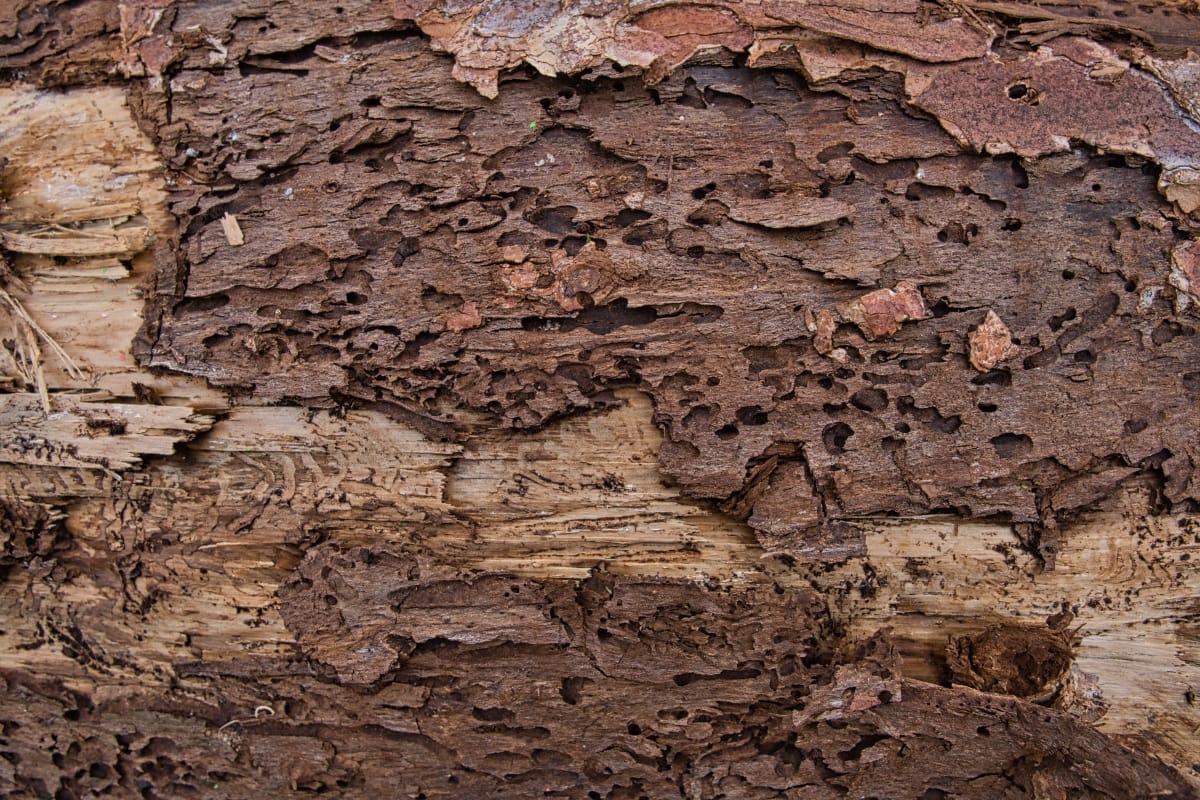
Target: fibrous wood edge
91, 434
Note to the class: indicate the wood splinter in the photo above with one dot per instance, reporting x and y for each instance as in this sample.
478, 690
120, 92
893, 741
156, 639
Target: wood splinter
233, 231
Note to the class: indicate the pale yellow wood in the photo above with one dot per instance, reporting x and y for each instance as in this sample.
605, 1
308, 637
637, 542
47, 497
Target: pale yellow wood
76, 166
91, 434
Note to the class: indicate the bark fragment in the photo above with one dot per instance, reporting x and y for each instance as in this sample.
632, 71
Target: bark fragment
1040, 102
233, 231
1185, 273
990, 343
789, 212
489, 37
880, 313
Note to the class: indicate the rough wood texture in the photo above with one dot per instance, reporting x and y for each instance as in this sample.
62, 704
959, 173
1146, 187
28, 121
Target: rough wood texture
216, 565
614, 401
411, 243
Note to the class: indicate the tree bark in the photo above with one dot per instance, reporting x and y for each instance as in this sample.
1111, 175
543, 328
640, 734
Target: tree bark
704, 400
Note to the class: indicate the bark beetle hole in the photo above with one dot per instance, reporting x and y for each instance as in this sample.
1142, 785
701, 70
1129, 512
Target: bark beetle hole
727, 431
708, 214
982, 730
558, 220
491, 714
752, 415
1135, 426
704, 191
408, 248
201, 305
574, 244
835, 436
1056, 322
1191, 381
571, 690
1085, 357
1020, 176
958, 233
995, 377
1012, 445
1155, 460
697, 417
841, 150
629, 216
987, 408
1068, 274
1011, 225
873, 400
1024, 93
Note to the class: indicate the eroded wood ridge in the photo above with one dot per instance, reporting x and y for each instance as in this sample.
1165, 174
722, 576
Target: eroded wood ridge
600, 400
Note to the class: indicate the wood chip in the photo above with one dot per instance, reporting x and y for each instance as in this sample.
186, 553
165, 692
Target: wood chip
233, 231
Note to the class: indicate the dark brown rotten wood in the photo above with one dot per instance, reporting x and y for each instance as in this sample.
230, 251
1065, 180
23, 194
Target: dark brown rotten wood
600, 400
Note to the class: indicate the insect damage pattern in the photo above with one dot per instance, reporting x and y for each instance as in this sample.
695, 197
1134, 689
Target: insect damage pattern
796, 277
863, 261
643, 688
666, 688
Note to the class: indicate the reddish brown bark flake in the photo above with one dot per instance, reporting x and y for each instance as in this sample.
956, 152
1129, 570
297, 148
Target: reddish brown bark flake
990, 343
880, 313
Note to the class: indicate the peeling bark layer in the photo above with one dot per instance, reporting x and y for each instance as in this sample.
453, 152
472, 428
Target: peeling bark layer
715, 240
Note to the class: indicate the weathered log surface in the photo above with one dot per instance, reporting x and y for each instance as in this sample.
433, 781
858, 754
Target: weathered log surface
409, 242
560, 413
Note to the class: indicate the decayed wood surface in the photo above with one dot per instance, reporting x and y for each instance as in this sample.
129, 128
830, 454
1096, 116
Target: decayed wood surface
510, 497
